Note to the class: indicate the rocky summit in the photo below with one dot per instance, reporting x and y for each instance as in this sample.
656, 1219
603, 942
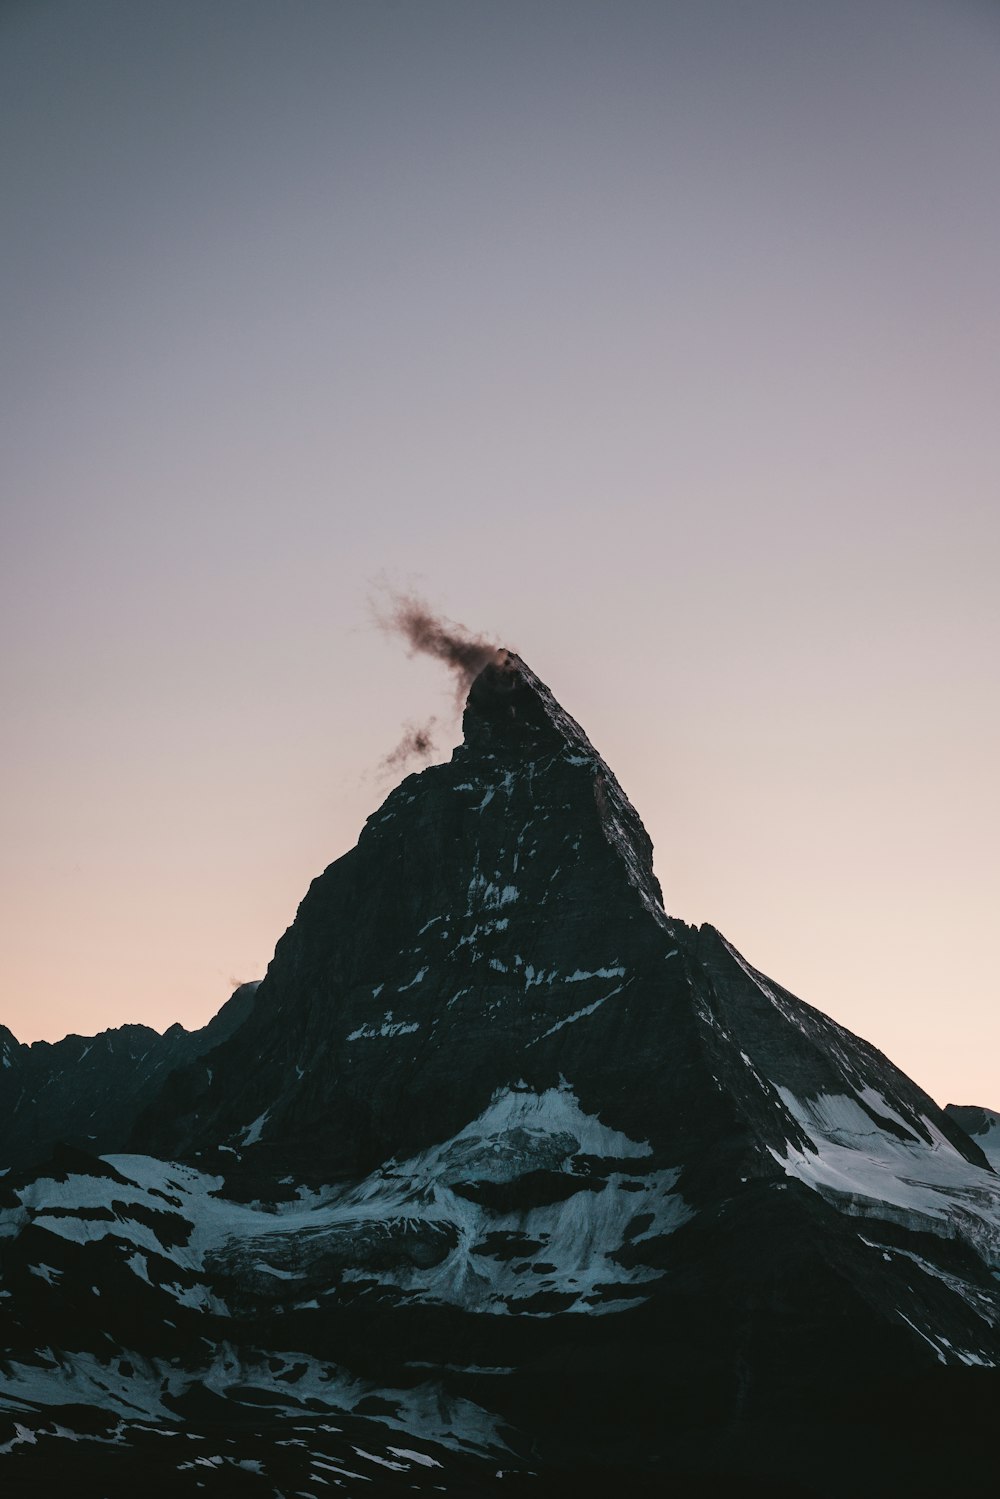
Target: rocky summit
502, 1181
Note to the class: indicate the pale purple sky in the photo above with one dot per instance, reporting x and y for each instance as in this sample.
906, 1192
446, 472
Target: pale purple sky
662, 341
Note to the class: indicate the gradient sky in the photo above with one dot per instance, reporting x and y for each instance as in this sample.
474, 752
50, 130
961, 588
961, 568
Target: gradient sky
659, 340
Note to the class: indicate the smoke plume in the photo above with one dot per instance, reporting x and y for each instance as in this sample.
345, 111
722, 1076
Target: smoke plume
416, 744
427, 634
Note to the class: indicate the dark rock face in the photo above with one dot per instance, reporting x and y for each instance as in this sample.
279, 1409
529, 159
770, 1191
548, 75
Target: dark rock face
507, 1162
89, 1090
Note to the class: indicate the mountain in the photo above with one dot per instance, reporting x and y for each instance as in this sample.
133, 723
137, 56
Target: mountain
505, 1170
89, 1090
982, 1126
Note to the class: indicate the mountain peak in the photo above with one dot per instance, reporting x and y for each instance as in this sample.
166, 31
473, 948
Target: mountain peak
511, 716
506, 697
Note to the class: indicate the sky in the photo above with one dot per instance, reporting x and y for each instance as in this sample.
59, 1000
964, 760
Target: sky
658, 341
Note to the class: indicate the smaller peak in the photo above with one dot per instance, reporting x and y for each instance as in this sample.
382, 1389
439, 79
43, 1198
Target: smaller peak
11, 1049
982, 1125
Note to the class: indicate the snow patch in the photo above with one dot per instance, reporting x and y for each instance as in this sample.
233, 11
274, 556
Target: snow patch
577, 1015
252, 1133
414, 1457
417, 978
389, 1027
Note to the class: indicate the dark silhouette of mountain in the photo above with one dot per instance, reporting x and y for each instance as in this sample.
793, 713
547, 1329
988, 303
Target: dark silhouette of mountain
507, 1171
88, 1090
